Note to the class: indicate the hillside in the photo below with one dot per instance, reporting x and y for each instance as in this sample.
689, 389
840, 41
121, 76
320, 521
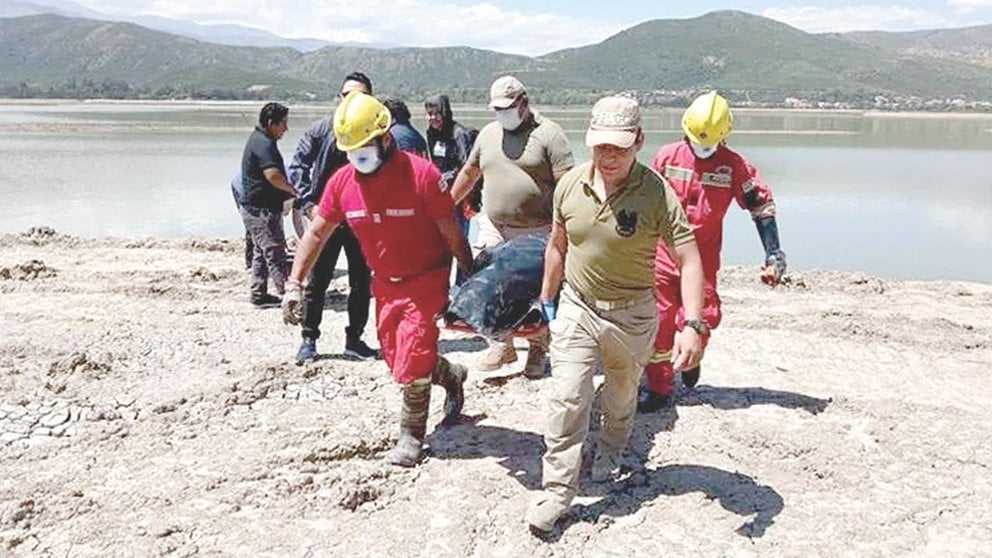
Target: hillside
748, 52
970, 44
49, 55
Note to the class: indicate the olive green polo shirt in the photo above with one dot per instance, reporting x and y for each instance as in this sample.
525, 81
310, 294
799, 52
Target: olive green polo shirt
518, 170
612, 243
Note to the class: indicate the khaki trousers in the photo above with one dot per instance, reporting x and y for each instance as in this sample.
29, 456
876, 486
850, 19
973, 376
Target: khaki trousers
582, 338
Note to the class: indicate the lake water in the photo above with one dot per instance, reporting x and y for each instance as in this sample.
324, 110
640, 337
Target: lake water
903, 196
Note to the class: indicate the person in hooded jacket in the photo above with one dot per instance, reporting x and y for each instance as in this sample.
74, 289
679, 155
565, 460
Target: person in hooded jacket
448, 145
448, 142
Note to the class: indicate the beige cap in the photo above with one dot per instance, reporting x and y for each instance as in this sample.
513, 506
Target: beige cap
615, 121
504, 91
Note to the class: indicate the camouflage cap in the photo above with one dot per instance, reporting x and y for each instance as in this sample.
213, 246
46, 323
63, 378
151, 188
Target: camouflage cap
505, 91
615, 121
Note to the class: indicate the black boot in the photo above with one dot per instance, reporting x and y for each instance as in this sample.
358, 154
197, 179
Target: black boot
413, 425
452, 378
690, 377
651, 401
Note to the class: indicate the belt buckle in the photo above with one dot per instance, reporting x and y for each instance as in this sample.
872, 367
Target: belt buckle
603, 305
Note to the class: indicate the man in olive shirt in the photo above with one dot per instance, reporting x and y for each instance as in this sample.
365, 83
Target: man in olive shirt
520, 156
609, 215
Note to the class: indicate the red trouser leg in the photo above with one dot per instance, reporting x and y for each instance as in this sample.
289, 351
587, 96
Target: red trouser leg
660, 373
407, 327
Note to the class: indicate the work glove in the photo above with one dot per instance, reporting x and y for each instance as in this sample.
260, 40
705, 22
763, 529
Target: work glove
292, 304
774, 269
549, 310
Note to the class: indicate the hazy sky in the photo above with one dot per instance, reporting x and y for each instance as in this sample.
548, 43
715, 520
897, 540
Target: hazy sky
517, 26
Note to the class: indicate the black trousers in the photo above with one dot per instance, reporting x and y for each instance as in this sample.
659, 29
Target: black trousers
358, 281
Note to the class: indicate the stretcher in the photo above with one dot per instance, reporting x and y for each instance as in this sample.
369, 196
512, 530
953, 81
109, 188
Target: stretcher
524, 331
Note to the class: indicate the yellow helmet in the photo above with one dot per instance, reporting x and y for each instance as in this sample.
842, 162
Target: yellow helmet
708, 119
359, 119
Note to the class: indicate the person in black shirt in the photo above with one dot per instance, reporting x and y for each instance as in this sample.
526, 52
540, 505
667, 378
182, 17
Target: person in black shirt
266, 190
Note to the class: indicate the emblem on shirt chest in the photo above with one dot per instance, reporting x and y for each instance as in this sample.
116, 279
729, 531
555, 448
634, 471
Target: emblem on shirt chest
721, 177
626, 223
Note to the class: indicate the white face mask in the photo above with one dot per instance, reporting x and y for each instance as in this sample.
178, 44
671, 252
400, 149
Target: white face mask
366, 160
509, 119
703, 151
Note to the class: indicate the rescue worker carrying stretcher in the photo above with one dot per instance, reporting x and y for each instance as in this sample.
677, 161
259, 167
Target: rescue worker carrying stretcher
706, 175
398, 208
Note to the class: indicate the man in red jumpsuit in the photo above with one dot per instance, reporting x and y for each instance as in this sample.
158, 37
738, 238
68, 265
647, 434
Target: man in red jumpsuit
397, 206
706, 175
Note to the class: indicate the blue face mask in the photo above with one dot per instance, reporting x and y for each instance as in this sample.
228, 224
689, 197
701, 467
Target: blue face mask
703, 151
366, 160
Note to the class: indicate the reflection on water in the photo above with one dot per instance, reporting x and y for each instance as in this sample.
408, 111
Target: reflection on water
895, 195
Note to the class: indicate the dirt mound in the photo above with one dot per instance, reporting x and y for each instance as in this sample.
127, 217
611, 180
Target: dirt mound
27, 271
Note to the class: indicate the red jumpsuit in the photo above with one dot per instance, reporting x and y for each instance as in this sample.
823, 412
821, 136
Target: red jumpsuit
705, 187
394, 214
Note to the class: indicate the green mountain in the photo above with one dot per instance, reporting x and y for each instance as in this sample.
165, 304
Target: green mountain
745, 54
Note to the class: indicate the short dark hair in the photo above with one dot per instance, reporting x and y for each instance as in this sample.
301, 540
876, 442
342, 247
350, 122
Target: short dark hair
398, 109
361, 78
272, 113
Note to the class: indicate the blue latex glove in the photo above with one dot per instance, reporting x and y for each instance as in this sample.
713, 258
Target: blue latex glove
549, 309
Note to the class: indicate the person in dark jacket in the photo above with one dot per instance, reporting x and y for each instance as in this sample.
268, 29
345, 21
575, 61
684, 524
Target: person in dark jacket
448, 144
407, 137
266, 191
317, 158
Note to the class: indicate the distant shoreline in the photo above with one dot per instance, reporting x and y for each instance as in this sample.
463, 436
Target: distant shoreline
868, 113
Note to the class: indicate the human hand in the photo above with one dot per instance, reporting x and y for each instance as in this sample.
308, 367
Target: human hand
774, 269
688, 349
549, 310
292, 304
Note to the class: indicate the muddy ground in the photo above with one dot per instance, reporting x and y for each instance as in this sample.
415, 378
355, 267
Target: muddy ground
147, 410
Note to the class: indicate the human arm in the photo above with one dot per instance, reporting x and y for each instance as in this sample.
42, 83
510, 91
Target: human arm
307, 252
688, 348
554, 269
304, 159
276, 178
465, 181
753, 194
560, 154
775, 266
452, 234
681, 241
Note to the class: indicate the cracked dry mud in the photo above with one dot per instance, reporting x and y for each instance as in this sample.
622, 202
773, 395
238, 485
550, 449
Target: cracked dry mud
147, 410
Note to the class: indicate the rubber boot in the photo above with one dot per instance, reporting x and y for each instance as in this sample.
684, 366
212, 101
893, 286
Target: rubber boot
452, 378
690, 377
413, 424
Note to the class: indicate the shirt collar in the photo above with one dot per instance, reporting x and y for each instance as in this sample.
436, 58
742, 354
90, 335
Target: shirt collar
633, 181
263, 131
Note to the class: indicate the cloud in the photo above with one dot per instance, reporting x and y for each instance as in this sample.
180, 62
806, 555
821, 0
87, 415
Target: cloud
966, 6
406, 22
861, 17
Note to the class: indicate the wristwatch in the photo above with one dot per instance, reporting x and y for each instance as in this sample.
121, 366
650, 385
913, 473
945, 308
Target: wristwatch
698, 325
